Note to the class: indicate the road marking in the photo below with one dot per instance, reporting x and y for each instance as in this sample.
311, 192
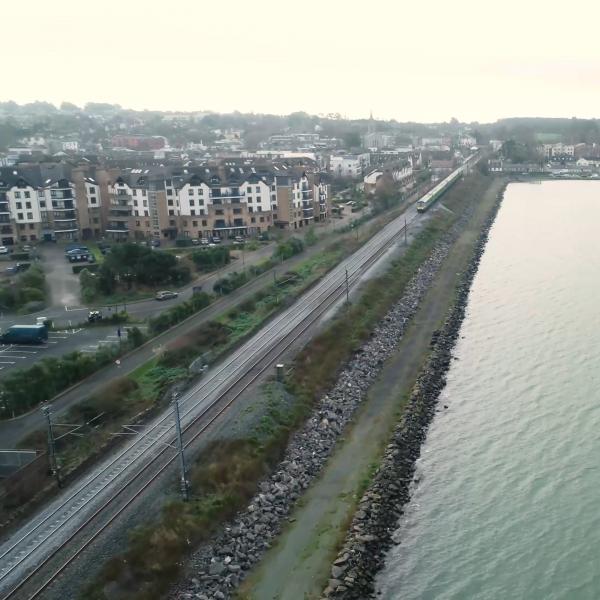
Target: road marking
52, 342
22, 351
105, 342
11, 355
6, 362
58, 337
73, 308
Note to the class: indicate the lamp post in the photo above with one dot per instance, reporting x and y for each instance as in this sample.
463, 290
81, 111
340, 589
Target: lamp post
47, 410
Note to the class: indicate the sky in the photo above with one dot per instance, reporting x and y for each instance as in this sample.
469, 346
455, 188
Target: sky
412, 60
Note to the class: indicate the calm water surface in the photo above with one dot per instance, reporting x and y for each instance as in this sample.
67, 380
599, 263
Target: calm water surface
507, 504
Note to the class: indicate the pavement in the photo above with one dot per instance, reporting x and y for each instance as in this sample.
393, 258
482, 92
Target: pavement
63, 283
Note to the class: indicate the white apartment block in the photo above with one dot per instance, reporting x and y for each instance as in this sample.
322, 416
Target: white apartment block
349, 165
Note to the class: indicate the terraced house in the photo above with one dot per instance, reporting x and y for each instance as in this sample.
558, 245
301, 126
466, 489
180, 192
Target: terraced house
226, 199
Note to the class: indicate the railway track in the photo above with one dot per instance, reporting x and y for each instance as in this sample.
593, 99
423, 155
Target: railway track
70, 524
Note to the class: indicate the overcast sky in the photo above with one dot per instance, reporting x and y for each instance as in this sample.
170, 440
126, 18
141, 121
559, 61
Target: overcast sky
409, 60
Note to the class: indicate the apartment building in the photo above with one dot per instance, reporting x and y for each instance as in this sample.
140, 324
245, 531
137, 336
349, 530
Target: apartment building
349, 165
84, 201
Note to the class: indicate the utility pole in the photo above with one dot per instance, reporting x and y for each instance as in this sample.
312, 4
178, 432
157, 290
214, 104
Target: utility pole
52, 444
183, 481
347, 289
405, 237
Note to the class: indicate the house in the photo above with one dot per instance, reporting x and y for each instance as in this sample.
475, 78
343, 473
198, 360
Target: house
349, 165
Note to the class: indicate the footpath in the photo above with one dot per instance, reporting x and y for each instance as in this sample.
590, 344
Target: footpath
299, 563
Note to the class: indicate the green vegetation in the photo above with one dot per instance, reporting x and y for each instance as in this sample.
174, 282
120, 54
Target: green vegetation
25, 292
232, 281
211, 259
288, 248
129, 269
178, 313
23, 389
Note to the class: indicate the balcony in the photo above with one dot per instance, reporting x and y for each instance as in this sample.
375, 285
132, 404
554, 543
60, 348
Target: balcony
68, 205
116, 227
65, 215
61, 194
308, 213
5, 218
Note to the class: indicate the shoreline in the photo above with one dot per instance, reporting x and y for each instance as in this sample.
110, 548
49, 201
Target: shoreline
370, 533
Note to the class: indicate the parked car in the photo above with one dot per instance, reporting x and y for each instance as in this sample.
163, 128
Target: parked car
196, 289
94, 316
204, 242
195, 241
155, 243
216, 239
18, 268
166, 295
26, 248
3, 250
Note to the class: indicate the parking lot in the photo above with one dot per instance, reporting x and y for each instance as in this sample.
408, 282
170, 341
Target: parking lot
88, 341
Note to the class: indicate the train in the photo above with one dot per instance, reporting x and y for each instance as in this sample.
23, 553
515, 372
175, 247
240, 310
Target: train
433, 194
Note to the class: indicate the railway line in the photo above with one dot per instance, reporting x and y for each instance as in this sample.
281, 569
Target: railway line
42, 549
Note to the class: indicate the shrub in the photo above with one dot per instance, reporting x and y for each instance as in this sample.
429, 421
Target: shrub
289, 248
88, 267
211, 259
179, 312
234, 280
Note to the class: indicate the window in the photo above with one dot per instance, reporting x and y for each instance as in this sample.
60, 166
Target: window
191, 191
147, 223
258, 189
42, 204
273, 198
194, 223
31, 226
250, 209
30, 216
249, 190
170, 202
19, 205
169, 192
145, 202
253, 219
192, 202
237, 211
201, 192
146, 213
27, 195
93, 200
172, 223
185, 223
259, 208
201, 202
262, 219
193, 212
95, 220
21, 226
144, 193
92, 190
20, 216
258, 198
204, 223
135, 213
17, 194
273, 188
137, 223
171, 212
218, 212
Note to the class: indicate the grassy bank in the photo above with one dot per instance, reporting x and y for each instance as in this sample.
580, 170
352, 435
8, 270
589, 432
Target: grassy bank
217, 495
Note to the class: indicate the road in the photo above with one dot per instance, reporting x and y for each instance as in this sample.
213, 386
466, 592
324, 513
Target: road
32, 544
